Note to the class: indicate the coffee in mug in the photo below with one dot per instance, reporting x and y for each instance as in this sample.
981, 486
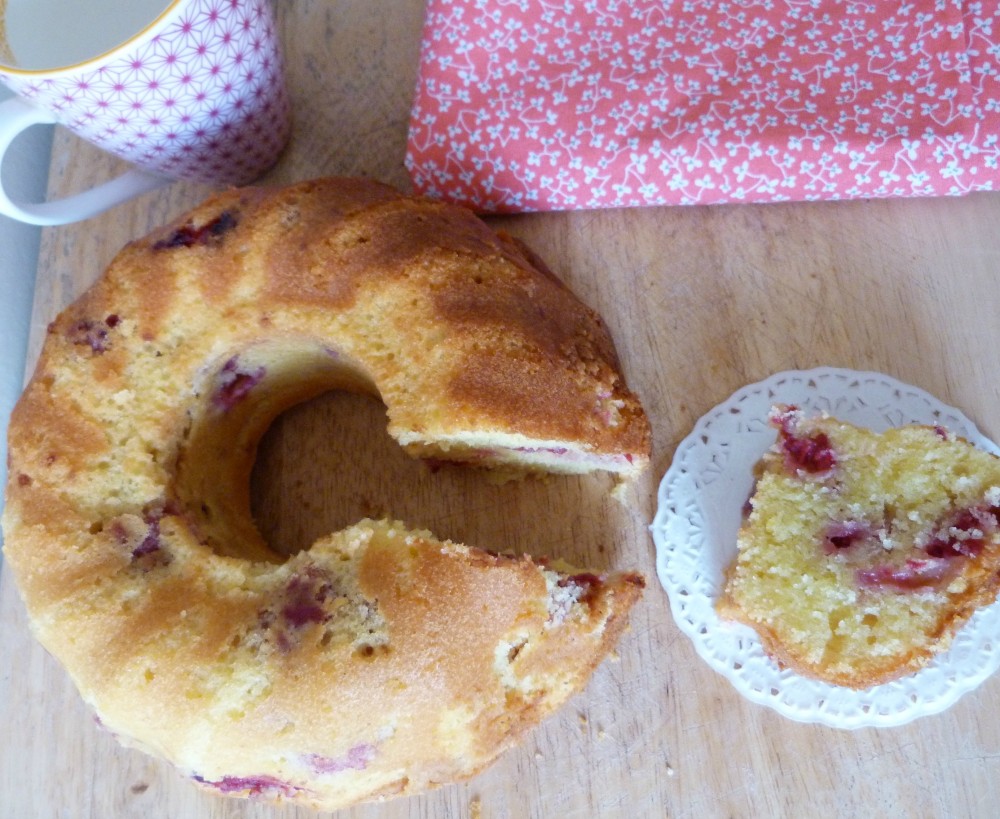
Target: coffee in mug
75, 30
182, 89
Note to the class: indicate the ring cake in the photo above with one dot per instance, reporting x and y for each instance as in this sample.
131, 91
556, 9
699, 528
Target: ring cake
380, 660
863, 552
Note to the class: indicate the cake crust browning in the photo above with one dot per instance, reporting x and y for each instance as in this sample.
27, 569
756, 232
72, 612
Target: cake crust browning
863, 553
380, 660
484, 332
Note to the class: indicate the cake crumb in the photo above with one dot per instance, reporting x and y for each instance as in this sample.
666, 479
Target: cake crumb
619, 492
476, 808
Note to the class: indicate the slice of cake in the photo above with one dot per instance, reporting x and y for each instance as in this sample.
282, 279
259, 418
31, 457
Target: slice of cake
862, 553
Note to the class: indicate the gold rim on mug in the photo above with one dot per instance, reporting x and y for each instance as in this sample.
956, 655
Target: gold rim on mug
8, 62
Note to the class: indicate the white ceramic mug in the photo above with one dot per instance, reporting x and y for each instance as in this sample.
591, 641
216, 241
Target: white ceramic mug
182, 89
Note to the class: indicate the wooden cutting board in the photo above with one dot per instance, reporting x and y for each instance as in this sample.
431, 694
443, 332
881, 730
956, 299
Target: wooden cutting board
700, 301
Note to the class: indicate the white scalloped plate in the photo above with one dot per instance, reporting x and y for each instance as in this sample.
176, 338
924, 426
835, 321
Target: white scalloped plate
699, 511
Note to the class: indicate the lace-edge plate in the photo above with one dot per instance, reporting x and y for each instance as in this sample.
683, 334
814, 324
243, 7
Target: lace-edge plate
699, 509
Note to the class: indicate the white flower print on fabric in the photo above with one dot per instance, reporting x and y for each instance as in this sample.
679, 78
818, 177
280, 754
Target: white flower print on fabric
527, 105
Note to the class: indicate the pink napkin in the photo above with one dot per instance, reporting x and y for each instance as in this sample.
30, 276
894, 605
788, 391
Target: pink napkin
527, 105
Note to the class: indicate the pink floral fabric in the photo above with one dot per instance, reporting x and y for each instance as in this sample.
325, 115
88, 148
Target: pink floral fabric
527, 105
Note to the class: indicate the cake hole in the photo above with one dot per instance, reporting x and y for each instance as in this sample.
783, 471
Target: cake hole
239, 396
323, 465
837, 618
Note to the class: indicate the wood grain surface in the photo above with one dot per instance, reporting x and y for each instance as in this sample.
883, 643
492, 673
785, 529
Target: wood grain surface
700, 302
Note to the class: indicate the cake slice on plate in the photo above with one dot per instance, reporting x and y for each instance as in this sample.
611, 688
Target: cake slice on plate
863, 553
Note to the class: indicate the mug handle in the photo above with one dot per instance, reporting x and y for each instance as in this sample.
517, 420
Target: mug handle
16, 115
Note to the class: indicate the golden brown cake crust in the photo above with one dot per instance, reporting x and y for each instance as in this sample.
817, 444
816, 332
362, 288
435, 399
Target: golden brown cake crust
128, 529
521, 346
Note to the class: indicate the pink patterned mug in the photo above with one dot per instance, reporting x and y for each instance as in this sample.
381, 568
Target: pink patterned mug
182, 89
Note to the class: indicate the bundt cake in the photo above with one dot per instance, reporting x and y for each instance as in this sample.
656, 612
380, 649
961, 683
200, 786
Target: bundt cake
380, 660
862, 553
